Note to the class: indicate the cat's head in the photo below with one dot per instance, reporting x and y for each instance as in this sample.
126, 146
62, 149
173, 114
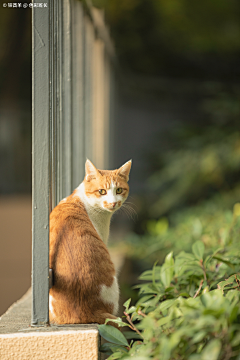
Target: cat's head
106, 189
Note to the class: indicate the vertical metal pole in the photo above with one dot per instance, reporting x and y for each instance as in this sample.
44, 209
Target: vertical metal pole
56, 80
98, 104
78, 140
88, 91
54, 97
106, 85
40, 164
58, 30
66, 101
112, 115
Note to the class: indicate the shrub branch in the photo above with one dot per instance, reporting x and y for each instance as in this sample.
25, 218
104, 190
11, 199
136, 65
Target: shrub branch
199, 289
132, 326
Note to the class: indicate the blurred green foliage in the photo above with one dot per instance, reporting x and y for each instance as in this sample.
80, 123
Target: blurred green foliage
195, 170
198, 159
193, 187
210, 222
163, 36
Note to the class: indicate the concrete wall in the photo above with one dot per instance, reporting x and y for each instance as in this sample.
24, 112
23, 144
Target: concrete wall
15, 248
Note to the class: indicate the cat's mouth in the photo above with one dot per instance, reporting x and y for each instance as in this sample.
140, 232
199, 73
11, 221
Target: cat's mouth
112, 208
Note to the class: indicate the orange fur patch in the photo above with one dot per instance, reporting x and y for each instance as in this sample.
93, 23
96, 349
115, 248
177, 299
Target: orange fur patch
81, 263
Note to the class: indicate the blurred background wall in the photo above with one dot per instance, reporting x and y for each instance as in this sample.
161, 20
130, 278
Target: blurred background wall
177, 117
15, 154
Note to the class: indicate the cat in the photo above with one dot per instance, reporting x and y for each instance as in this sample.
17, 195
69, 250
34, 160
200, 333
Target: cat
85, 288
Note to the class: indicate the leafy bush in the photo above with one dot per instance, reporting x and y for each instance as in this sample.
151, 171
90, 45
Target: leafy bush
211, 222
188, 303
204, 165
188, 308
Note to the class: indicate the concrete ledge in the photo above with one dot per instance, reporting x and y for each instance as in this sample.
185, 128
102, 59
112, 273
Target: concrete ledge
20, 341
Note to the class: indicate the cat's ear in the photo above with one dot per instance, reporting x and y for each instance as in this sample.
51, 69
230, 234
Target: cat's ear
125, 170
90, 171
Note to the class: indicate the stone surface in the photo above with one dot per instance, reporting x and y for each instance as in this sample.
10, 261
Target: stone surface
71, 344
20, 341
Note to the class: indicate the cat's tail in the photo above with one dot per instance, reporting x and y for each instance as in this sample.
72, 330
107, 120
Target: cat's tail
100, 318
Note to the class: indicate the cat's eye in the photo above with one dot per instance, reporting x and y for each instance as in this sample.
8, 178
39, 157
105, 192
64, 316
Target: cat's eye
102, 192
119, 190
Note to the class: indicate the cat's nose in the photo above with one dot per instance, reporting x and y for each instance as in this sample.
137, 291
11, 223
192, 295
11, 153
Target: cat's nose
114, 204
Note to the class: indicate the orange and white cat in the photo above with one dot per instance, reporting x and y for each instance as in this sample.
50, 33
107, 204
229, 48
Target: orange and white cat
85, 288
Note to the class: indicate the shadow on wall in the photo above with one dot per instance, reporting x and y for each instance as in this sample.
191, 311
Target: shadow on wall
15, 248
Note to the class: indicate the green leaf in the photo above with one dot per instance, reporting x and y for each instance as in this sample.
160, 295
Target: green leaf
236, 340
131, 335
154, 274
208, 258
164, 320
198, 249
126, 304
132, 309
152, 302
116, 355
109, 348
205, 290
228, 281
184, 262
135, 358
143, 299
169, 289
146, 275
233, 295
184, 294
212, 299
117, 321
166, 304
199, 336
233, 314
225, 261
194, 357
167, 270
185, 256
236, 210
190, 302
146, 288
147, 323
212, 350
112, 335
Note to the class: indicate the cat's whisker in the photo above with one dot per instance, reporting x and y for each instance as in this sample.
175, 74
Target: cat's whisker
126, 208
131, 203
130, 211
126, 205
131, 198
132, 214
125, 212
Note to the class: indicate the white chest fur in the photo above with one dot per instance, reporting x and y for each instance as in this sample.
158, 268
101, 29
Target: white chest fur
110, 294
99, 218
